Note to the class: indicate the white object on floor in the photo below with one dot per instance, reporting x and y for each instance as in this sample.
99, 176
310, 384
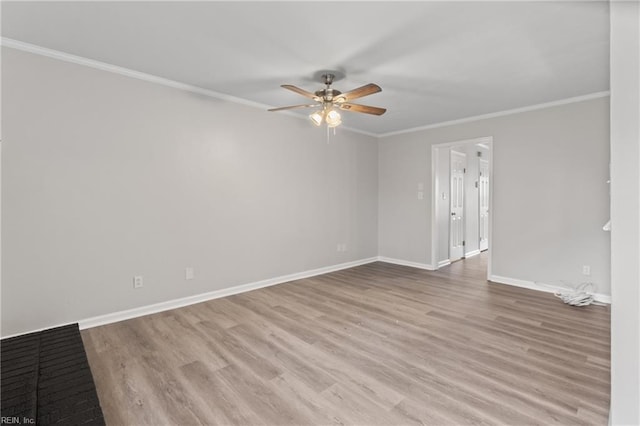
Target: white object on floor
582, 295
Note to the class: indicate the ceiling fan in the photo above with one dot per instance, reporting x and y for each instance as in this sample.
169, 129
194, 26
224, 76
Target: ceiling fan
331, 100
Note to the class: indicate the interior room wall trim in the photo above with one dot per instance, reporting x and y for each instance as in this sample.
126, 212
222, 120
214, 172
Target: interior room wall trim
203, 297
103, 66
406, 263
500, 113
547, 288
472, 253
67, 57
443, 263
216, 294
531, 285
56, 54
485, 142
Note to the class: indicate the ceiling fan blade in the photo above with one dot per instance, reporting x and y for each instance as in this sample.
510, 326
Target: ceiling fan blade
299, 91
293, 107
362, 108
367, 89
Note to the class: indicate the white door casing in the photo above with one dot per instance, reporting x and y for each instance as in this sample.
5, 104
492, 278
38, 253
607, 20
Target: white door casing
483, 204
440, 219
456, 224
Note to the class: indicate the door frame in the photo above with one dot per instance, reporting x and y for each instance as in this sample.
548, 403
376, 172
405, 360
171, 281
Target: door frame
435, 199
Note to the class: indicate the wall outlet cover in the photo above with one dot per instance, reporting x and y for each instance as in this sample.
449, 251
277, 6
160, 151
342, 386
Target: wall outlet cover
189, 273
138, 281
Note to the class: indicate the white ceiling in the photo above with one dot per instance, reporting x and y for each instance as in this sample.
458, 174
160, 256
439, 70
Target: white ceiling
435, 61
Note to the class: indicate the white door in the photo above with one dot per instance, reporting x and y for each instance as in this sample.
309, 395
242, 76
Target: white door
483, 203
456, 226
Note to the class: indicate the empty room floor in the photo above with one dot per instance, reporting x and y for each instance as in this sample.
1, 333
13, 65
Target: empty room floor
378, 344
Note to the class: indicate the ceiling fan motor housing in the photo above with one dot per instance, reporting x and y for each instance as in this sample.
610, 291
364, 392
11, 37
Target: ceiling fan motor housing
327, 95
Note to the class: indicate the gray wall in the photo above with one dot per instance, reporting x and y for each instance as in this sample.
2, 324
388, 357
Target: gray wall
551, 199
625, 213
105, 177
404, 221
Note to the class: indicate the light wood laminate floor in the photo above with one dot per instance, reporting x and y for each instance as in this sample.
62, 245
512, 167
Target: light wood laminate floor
378, 344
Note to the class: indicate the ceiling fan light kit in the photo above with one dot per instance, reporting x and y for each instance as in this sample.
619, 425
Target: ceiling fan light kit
328, 115
331, 100
333, 118
316, 118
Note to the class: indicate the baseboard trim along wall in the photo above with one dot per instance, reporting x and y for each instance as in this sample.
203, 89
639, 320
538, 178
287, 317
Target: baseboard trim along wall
203, 297
406, 263
216, 294
472, 253
547, 288
444, 263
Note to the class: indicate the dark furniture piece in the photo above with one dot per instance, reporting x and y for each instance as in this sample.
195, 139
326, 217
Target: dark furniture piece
46, 379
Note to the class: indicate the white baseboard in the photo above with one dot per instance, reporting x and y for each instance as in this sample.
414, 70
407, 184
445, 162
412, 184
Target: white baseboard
406, 263
547, 288
472, 253
442, 263
203, 297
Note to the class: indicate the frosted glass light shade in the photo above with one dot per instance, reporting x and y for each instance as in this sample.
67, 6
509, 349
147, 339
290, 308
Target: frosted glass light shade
316, 118
333, 118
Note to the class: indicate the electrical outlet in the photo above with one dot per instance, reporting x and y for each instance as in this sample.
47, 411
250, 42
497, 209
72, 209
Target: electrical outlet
137, 281
189, 273
586, 270
420, 195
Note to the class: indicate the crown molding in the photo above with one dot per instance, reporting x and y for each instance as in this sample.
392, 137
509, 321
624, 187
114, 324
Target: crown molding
103, 66
559, 102
80, 60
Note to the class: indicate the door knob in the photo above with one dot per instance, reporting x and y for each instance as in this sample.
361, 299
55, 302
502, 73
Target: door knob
453, 213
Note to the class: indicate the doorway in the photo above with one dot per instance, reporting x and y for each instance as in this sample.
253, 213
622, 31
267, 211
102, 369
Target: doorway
461, 200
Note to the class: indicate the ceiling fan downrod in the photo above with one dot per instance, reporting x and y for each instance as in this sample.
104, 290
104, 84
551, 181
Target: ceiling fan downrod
328, 79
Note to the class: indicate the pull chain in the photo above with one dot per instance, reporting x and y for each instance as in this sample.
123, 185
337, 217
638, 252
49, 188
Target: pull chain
328, 134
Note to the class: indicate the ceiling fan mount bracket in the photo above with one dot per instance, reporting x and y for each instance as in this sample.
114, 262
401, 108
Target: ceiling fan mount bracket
328, 78
323, 74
